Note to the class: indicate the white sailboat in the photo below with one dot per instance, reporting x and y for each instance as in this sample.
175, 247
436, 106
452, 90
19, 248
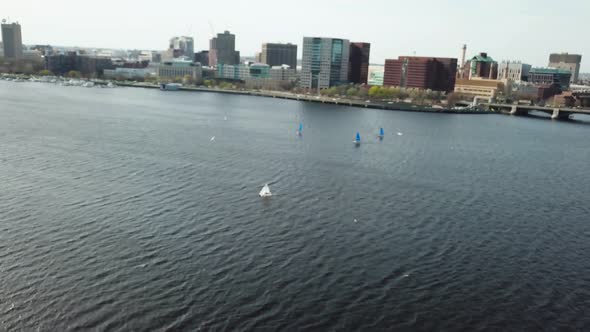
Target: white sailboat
265, 192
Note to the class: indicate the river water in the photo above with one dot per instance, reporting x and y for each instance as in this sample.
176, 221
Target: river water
118, 212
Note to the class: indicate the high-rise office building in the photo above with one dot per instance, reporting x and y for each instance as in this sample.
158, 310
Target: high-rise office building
202, 58
222, 50
358, 66
567, 61
12, 41
183, 45
437, 74
325, 62
274, 54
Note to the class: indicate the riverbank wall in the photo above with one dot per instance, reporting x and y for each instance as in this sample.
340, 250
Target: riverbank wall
392, 106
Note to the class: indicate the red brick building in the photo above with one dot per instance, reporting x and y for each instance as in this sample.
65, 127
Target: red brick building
358, 63
436, 74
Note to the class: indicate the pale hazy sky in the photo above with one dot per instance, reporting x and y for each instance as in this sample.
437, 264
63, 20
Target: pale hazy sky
526, 30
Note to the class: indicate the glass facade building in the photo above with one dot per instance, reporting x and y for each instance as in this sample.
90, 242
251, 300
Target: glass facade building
274, 54
325, 62
222, 50
358, 67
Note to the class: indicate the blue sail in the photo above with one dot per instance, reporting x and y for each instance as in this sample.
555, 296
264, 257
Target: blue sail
358, 137
300, 127
381, 132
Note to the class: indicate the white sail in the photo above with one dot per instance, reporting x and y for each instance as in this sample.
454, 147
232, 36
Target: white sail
265, 192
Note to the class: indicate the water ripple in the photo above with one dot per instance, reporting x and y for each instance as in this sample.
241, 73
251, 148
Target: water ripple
118, 213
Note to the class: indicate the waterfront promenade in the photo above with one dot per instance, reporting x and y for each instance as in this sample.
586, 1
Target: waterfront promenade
390, 105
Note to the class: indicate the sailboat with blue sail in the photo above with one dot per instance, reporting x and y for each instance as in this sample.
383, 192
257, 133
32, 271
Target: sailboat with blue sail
357, 140
300, 131
381, 133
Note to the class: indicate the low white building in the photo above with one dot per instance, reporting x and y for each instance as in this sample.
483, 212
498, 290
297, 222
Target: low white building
259, 75
32, 55
145, 56
283, 73
129, 73
179, 69
234, 72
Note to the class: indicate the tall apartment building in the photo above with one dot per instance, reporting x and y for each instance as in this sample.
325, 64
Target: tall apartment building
437, 74
222, 50
325, 62
567, 61
185, 45
514, 71
12, 41
274, 54
358, 64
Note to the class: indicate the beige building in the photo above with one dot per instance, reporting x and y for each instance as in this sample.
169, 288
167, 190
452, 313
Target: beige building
565, 61
179, 69
483, 88
514, 71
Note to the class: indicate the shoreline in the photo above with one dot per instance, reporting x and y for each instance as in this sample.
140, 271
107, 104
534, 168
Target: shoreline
390, 106
382, 105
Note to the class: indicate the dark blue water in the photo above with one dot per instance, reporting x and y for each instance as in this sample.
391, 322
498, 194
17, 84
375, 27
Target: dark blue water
118, 213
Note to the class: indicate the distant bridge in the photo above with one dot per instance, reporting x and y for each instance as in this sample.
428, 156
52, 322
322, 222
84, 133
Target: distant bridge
555, 112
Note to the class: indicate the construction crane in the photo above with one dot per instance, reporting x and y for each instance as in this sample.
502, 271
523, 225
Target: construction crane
212, 29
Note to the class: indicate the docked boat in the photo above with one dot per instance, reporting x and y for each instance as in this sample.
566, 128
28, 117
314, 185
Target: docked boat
170, 86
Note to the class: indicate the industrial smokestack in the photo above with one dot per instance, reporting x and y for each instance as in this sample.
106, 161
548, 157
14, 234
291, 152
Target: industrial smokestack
463, 55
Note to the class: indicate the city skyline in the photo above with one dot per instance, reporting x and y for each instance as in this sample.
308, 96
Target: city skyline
424, 27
